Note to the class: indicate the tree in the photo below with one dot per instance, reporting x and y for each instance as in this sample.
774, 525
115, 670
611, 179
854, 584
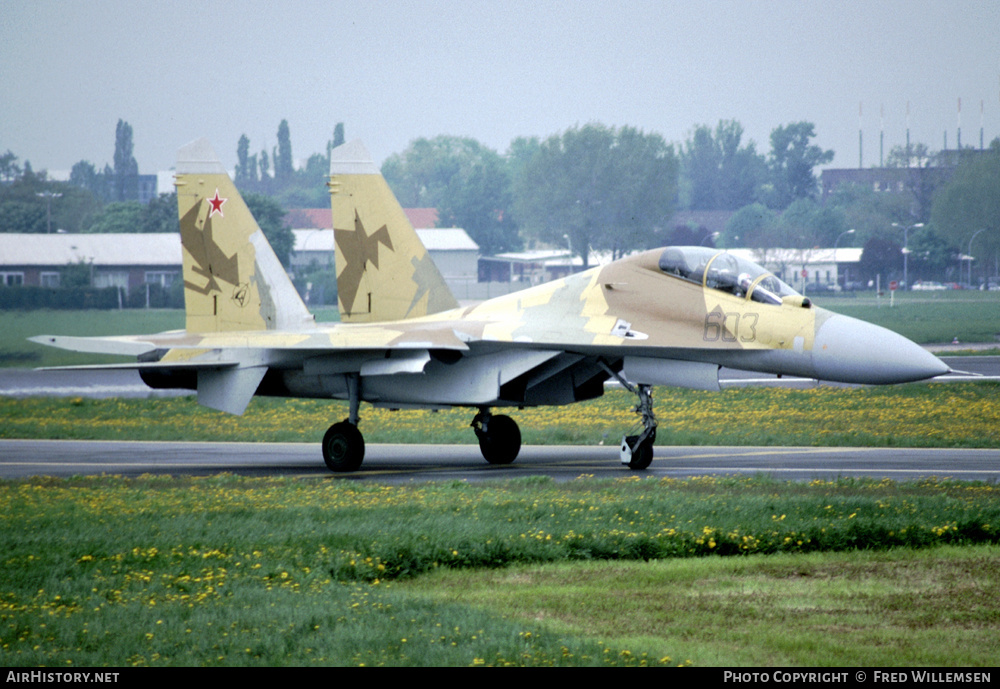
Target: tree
26, 201
22, 216
926, 172
752, 226
465, 181
265, 171
119, 216
969, 203
85, 175
598, 187
126, 168
910, 155
717, 172
283, 169
307, 188
870, 213
806, 224
9, 169
270, 217
160, 214
791, 163
881, 257
481, 206
931, 257
246, 165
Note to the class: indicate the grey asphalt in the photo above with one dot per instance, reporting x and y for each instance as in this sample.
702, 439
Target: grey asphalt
404, 463
21, 458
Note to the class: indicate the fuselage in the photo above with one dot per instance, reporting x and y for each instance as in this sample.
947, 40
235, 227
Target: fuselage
554, 343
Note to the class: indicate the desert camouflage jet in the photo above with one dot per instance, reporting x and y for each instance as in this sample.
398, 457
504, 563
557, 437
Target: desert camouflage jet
670, 316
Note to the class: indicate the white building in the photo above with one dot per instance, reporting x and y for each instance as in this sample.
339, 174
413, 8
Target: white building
808, 270
115, 260
452, 250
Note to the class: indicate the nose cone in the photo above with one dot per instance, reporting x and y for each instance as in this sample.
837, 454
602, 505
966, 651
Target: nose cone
847, 350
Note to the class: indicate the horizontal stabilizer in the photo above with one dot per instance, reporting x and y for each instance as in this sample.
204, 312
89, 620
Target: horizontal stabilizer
148, 366
125, 346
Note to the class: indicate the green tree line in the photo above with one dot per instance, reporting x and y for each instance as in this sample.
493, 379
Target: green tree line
590, 187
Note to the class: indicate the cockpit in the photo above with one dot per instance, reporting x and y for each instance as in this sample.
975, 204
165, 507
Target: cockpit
726, 272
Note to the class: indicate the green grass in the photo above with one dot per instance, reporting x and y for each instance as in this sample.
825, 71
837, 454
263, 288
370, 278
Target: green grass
714, 570
861, 609
927, 317
927, 415
18, 326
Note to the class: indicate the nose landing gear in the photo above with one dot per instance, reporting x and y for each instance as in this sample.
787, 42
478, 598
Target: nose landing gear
637, 450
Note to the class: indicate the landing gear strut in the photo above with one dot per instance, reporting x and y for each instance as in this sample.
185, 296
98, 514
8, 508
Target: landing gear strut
343, 444
637, 450
499, 437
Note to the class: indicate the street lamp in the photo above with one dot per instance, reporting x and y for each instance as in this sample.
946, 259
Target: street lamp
710, 237
851, 231
48, 196
906, 249
970, 254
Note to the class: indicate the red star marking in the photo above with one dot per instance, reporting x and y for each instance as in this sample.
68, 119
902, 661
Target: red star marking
216, 204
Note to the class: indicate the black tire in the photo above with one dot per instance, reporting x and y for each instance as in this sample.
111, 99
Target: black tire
501, 442
343, 447
642, 456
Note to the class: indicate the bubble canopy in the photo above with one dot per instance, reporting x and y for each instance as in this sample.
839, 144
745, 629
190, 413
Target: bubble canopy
726, 272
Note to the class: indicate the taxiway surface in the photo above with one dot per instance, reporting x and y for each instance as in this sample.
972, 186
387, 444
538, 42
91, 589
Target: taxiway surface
403, 463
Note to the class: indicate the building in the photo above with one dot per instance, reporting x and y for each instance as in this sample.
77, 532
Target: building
804, 269
808, 270
452, 249
131, 260
115, 260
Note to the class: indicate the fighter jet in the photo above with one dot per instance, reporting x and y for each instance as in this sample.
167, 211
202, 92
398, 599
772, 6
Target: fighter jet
670, 316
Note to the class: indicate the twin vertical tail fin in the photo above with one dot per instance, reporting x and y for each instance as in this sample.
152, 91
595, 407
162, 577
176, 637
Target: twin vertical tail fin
232, 279
384, 273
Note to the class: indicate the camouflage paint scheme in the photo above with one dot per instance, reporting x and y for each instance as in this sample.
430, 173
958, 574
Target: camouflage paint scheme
404, 340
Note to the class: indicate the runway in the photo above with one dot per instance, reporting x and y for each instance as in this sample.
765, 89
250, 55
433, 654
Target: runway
397, 463
406, 463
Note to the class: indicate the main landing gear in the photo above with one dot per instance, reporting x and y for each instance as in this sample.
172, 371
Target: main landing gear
343, 444
343, 447
499, 437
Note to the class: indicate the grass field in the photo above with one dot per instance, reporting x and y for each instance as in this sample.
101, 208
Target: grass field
921, 415
705, 571
729, 571
927, 317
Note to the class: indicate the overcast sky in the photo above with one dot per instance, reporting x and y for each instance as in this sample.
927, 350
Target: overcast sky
395, 71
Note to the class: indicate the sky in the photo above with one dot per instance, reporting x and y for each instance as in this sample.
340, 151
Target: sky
493, 70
